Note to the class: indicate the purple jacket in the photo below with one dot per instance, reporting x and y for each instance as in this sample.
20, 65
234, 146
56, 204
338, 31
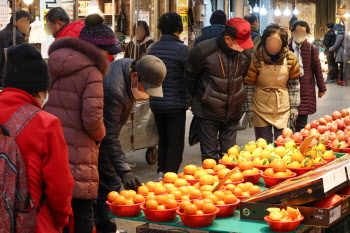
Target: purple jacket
312, 74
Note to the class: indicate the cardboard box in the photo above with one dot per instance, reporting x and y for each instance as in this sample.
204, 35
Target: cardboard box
312, 216
166, 229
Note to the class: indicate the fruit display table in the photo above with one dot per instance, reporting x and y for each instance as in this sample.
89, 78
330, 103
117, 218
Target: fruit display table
229, 224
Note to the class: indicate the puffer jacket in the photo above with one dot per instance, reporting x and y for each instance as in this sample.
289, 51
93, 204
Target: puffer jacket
76, 98
312, 75
118, 103
70, 30
214, 76
209, 32
171, 50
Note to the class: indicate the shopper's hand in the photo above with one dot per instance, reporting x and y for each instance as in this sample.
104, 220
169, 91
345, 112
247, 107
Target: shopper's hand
321, 94
248, 119
130, 181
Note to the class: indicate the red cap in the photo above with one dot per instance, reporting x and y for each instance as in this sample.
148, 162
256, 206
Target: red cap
243, 32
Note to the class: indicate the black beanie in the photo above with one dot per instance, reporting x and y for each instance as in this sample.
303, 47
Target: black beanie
26, 70
218, 17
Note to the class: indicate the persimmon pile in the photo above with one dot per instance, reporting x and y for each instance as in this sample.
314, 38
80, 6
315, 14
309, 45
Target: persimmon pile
279, 170
125, 197
284, 215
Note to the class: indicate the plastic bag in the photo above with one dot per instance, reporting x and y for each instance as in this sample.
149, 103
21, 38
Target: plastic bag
193, 136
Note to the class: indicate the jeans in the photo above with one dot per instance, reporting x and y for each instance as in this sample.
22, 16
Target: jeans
266, 133
209, 130
83, 216
171, 130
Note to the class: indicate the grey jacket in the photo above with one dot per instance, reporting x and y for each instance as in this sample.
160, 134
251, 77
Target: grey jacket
338, 47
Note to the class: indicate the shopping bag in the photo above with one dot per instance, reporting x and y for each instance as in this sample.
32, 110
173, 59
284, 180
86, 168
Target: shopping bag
193, 136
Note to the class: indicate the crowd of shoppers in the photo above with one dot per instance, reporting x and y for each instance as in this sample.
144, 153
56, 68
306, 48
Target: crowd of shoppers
77, 105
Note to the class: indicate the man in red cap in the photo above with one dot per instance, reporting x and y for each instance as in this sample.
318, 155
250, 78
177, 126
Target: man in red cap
214, 77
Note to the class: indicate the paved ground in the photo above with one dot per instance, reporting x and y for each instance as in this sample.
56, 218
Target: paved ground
336, 98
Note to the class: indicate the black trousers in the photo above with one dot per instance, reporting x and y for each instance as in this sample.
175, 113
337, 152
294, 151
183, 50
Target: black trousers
109, 181
341, 71
83, 216
332, 67
171, 130
301, 122
266, 133
208, 137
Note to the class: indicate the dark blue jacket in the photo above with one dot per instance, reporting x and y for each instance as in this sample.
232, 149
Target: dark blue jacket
171, 50
209, 32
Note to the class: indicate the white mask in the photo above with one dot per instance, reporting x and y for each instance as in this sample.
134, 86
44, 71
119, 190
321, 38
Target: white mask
45, 100
139, 95
300, 40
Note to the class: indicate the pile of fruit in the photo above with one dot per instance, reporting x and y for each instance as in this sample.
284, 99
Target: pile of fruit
278, 170
125, 197
332, 130
285, 215
287, 136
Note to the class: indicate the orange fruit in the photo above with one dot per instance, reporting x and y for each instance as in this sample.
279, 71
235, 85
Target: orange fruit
255, 170
170, 204
112, 195
207, 201
190, 169
199, 212
159, 190
180, 182
161, 207
249, 172
279, 166
248, 185
172, 189
196, 185
209, 163
220, 195
218, 167
275, 216
307, 163
150, 196
213, 198
161, 199
129, 202
230, 187
143, 190
206, 188
230, 199
287, 219
199, 173
183, 204
293, 213
220, 203
236, 177
150, 185
170, 196
227, 192
181, 175
280, 174
208, 208
185, 197
269, 172
289, 172
195, 194
189, 177
237, 191
177, 195
284, 213
205, 193
126, 194
190, 209
119, 200
199, 204
206, 180
151, 205
294, 164
185, 190
170, 177
243, 186
245, 165
254, 190
245, 194
223, 172
138, 198
168, 185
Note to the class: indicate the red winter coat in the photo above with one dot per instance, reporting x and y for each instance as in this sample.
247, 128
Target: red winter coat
311, 77
76, 98
45, 156
71, 30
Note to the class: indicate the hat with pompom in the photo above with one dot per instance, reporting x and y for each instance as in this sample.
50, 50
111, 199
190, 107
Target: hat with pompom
99, 34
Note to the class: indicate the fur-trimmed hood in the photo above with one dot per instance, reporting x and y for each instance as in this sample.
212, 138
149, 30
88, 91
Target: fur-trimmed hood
69, 55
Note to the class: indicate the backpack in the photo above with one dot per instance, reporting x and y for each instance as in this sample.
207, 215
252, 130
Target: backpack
253, 35
18, 211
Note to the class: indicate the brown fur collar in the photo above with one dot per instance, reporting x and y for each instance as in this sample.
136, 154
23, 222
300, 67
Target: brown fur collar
86, 48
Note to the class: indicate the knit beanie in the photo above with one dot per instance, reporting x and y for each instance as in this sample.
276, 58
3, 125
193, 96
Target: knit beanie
26, 70
338, 27
218, 17
99, 34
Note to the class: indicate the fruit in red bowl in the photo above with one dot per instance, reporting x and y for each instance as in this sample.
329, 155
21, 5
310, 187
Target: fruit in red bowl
252, 178
159, 215
197, 221
280, 226
227, 209
124, 210
272, 181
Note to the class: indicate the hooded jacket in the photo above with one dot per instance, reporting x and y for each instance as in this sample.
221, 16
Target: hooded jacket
76, 98
70, 30
209, 32
312, 75
118, 103
329, 38
45, 156
141, 48
338, 47
214, 76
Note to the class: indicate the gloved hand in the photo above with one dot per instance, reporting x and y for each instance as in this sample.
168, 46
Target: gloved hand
293, 118
248, 119
130, 181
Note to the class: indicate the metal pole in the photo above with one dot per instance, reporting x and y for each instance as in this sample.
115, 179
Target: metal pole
113, 15
14, 22
136, 22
